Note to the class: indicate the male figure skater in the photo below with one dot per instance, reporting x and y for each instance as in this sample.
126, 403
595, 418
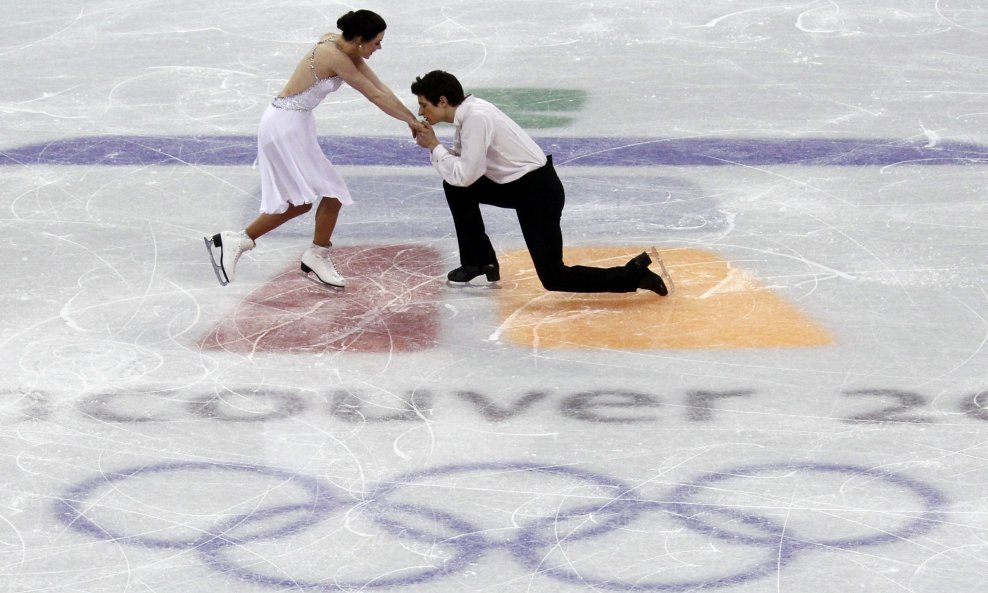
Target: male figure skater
494, 161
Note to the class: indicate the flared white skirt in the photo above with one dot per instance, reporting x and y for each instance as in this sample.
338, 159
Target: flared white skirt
293, 168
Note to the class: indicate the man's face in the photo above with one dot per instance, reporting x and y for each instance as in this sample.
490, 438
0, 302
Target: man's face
432, 113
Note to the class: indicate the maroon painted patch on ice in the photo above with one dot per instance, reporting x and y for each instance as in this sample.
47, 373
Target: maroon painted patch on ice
391, 303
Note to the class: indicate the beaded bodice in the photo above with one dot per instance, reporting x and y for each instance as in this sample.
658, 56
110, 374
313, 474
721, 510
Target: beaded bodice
310, 97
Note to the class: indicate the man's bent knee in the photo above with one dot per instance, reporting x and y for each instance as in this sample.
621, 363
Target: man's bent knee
554, 279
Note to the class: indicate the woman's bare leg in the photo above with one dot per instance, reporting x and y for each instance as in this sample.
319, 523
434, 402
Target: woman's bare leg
265, 223
327, 214
316, 259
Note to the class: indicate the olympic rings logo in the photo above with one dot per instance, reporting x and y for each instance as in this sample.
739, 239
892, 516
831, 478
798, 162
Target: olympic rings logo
284, 529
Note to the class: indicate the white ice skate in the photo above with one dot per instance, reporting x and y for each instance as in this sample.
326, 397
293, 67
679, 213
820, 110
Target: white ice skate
316, 260
231, 245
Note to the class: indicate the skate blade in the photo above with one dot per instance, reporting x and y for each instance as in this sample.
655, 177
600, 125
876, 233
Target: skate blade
217, 269
664, 273
490, 285
314, 278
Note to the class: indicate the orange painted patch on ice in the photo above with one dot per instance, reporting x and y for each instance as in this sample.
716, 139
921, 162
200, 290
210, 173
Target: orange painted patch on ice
715, 305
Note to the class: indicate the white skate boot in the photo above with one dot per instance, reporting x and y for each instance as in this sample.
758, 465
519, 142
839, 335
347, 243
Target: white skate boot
317, 261
232, 245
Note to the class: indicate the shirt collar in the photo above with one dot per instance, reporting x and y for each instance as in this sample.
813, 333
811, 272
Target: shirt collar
461, 113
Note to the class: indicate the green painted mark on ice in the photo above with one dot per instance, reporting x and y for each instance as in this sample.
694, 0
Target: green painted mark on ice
536, 107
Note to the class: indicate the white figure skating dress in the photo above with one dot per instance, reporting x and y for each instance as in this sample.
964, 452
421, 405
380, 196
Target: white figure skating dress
293, 168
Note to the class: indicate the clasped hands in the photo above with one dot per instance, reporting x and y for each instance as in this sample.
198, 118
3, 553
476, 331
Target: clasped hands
424, 135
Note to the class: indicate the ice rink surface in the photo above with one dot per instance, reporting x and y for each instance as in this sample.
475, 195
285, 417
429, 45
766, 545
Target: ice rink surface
807, 412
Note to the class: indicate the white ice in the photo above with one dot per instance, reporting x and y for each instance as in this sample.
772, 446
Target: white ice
136, 459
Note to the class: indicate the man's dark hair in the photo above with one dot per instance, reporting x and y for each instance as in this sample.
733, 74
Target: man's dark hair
361, 23
438, 84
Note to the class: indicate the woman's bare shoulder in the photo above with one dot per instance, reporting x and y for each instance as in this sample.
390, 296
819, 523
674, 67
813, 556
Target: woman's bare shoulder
329, 59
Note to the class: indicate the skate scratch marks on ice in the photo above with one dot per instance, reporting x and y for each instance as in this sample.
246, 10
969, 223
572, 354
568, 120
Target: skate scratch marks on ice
509, 321
717, 20
735, 280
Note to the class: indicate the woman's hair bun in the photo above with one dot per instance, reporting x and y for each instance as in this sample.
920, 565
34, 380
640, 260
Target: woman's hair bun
360, 23
343, 21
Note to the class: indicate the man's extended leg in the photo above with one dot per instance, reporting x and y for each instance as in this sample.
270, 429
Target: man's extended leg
540, 205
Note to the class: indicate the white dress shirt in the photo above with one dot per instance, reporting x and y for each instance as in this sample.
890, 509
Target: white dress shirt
487, 143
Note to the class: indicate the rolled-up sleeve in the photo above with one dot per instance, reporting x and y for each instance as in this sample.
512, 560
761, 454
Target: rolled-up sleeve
464, 169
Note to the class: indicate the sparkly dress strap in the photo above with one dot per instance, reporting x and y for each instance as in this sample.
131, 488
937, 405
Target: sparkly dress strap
312, 57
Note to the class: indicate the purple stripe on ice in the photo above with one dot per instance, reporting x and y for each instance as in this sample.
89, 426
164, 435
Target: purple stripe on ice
603, 151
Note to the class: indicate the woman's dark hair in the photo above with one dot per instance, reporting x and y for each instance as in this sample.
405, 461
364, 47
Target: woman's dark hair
438, 84
360, 23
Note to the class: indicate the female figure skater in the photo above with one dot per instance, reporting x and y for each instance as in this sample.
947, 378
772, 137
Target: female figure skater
294, 171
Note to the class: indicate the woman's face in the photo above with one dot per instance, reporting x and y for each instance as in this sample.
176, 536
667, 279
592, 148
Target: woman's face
369, 47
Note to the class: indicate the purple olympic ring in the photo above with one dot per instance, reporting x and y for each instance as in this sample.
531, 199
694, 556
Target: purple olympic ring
468, 539
928, 518
529, 551
71, 508
468, 545
618, 489
527, 544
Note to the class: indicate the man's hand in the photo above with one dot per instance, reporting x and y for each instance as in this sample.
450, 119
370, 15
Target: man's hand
415, 128
426, 136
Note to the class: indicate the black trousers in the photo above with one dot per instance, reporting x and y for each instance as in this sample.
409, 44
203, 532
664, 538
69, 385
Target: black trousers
538, 199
